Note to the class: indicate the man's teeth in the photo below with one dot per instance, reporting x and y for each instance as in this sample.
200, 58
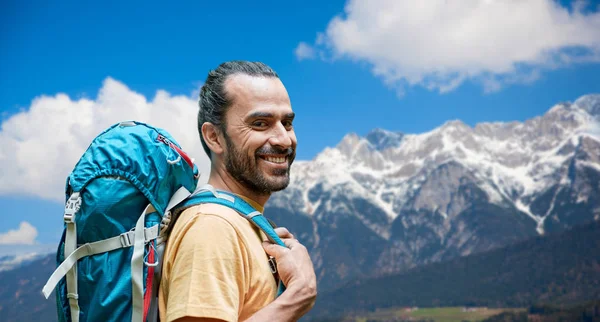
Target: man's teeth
275, 160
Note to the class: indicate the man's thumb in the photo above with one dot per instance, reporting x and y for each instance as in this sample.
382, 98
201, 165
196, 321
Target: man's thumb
273, 249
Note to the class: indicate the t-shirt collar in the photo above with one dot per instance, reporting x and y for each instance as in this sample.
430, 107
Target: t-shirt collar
253, 203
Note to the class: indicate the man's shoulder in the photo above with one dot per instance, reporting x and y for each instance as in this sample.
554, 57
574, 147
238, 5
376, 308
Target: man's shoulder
207, 211
199, 219
205, 223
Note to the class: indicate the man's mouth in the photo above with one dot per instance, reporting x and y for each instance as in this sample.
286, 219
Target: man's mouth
274, 159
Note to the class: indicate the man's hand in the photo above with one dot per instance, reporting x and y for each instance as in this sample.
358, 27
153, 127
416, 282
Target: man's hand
295, 269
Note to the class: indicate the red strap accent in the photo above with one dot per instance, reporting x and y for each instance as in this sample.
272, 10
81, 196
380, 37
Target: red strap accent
184, 155
149, 279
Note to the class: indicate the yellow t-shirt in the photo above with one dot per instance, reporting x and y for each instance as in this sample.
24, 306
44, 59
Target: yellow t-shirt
214, 266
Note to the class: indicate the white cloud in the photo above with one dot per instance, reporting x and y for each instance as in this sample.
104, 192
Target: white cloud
26, 234
304, 51
439, 44
41, 145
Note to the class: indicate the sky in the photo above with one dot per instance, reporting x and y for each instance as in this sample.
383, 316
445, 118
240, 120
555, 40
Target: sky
69, 70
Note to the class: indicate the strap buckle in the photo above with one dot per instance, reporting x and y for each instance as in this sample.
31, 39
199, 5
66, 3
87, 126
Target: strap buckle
69, 218
273, 265
125, 240
72, 207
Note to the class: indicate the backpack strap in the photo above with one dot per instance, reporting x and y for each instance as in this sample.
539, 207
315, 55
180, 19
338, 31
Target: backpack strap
208, 194
131, 238
121, 241
71, 208
137, 259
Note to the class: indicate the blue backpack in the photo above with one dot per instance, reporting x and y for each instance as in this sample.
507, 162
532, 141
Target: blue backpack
121, 199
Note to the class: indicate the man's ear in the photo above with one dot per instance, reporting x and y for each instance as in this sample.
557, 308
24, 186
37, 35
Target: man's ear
212, 137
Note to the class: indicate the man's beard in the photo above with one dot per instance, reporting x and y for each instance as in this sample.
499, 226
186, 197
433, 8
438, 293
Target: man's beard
246, 172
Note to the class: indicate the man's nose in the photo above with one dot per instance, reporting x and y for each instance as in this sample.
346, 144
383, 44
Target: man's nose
280, 136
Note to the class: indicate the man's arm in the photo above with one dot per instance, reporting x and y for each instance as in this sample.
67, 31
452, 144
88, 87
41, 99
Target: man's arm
297, 273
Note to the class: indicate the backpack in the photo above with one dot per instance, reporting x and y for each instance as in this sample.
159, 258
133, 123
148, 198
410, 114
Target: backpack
122, 197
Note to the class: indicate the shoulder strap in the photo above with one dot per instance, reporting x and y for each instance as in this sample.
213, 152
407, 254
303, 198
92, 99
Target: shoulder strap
208, 194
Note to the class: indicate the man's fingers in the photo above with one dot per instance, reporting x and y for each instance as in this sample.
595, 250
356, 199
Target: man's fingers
274, 249
282, 232
290, 242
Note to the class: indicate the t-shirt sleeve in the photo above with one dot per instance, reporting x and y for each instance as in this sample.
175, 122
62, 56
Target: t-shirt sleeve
209, 274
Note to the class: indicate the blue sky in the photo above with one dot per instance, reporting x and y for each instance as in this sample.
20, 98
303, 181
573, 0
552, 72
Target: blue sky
382, 65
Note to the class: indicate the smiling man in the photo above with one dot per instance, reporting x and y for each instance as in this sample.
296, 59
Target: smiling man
216, 265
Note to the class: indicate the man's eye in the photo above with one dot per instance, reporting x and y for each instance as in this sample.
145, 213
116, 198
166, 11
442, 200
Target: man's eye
259, 123
287, 124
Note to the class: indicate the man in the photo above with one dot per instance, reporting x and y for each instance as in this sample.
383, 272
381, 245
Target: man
216, 265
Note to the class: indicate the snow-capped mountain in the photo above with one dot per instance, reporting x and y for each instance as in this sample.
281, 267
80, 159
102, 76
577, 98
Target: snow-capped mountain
9, 262
388, 201
15, 256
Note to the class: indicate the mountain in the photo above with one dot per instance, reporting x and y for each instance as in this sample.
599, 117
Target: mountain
559, 268
390, 201
12, 256
21, 298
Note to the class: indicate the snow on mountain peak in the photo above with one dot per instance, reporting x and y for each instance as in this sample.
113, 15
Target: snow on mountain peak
9, 262
510, 161
589, 103
382, 139
348, 143
456, 125
359, 152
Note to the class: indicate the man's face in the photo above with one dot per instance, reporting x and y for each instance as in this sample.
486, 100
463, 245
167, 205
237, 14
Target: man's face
260, 138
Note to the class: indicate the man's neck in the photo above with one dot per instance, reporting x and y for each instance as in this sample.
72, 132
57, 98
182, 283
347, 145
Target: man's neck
223, 181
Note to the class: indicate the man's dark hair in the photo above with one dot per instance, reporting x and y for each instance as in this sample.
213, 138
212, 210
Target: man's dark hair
214, 100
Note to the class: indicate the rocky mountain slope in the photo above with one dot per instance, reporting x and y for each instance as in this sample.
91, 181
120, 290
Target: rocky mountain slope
390, 201
21, 298
557, 268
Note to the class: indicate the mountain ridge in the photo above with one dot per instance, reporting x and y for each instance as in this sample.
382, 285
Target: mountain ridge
452, 191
